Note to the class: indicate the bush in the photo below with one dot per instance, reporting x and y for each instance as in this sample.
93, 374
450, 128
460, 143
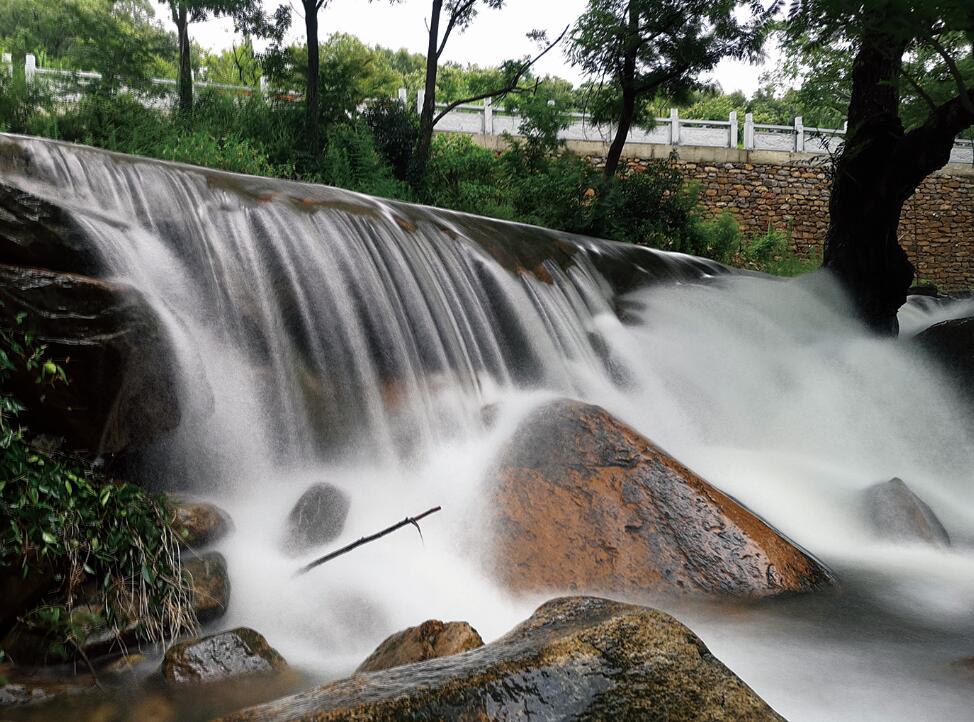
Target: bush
395, 129
465, 177
107, 538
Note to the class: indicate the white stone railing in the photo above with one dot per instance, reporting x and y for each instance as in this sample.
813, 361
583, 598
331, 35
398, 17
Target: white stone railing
488, 120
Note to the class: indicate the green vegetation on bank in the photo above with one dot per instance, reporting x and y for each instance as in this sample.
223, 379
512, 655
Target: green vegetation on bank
101, 556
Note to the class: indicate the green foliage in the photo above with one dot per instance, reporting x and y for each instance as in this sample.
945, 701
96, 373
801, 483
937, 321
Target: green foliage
109, 538
465, 177
395, 128
654, 208
772, 252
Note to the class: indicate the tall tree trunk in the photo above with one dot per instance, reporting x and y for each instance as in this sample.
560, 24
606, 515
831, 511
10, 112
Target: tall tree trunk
628, 82
622, 133
312, 102
185, 62
425, 142
861, 246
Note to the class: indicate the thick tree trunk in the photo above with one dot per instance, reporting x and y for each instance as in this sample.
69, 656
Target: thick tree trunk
185, 62
861, 245
425, 141
312, 91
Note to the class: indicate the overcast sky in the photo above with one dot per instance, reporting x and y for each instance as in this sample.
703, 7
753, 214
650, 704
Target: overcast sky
494, 36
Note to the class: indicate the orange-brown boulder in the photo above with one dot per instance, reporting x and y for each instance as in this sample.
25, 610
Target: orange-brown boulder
430, 640
584, 502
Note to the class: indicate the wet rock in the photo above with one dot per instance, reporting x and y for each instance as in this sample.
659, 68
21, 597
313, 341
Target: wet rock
575, 658
318, 517
20, 686
951, 345
897, 514
36, 233
429, 640
198, 523
582, 501
122, 390
236, 653
211, 585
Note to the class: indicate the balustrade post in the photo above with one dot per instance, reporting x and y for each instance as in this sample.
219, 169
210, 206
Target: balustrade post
30, 67
674, 126
732, 130
489, 116
799, 134
749, 131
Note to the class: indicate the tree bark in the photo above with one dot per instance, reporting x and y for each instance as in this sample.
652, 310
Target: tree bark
185, 62
425, 141
312, 91
628, 83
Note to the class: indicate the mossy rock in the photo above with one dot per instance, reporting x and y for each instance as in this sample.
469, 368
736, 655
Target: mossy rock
579, 658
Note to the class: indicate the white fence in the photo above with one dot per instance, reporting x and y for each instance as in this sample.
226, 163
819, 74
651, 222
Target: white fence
487, 120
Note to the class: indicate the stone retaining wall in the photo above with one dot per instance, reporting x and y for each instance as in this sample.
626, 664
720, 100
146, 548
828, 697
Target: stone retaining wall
936, 228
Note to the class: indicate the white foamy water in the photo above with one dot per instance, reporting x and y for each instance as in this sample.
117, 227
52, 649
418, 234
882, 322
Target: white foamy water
325, 336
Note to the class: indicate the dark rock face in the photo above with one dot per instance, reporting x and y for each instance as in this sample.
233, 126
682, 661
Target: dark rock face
237, 653
211, 585
36, 233
122, 391
951, 343
575, 658
429, 640
19, 593
198, 523
897, 514
318, 517
584, 502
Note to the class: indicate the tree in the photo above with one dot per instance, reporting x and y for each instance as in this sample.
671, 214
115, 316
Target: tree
911, 93
312, 102
248, 17
456, 16
637, 49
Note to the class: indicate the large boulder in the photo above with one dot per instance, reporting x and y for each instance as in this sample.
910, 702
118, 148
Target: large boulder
198, 523
236, 653
36, 233
317, 517
897, 514
429, 640
210, 582
575, 658
583, 502
951, 344
122, 390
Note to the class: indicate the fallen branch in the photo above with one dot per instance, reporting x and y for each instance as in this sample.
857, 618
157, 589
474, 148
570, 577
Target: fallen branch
414, 520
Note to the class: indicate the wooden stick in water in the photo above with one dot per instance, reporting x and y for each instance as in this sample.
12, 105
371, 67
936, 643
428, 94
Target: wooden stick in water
414, 520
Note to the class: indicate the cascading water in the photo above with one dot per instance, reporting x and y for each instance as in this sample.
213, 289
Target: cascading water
322, 335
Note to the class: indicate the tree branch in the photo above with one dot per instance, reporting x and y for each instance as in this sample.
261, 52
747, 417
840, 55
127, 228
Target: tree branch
414, 520
962, 92
920, 91
511, 86
455, 16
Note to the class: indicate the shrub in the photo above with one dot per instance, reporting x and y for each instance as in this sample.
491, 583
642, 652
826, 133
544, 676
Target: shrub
395, 129
465, 177
94, 534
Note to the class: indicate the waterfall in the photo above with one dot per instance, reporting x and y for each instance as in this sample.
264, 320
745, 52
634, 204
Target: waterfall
322, 334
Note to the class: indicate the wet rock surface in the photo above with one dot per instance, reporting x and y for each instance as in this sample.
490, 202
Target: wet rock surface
211, 585
951, 345
317, 517
235, 653
198, 523
430, 640
897, 514
20, 686
575, 658
583, 502
122, 390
